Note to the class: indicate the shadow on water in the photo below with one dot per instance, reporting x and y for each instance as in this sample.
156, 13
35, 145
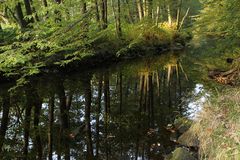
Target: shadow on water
118, 113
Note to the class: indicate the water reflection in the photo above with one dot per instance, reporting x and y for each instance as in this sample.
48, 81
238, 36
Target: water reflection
118, 113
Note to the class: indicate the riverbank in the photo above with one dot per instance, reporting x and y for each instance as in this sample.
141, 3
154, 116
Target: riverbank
218, 126
32, 51
215, 133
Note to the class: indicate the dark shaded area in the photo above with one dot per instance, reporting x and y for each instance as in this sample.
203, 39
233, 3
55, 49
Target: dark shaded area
116, 113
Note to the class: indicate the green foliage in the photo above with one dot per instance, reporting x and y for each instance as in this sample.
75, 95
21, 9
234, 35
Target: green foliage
219, 18
62, 34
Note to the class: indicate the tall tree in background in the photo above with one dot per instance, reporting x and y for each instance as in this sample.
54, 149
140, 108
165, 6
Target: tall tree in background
20, 17
117, 16
28, 8
5, 118
97, 11
140, 9
104, 17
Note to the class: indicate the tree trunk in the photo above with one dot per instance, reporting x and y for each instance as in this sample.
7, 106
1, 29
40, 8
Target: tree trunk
50, 126
151, 96
145, 8
4, 120
97, 11
34, 11
27, 127
107, 92
20, 17
104, 14
121, 93
88, 101
119, 28
183, 19
140, 9
64, 118
37, 134
98, 115
107, 111
28, 8
157, 15
117, 18
179, 13
169, 16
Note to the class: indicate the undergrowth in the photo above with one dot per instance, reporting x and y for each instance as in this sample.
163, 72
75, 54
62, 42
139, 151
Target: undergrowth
63, 44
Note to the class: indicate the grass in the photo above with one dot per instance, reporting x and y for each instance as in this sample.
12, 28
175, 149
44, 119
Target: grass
218, 127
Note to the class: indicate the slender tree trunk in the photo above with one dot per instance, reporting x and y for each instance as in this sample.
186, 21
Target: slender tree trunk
140, 9
179, 13
169, 92
157, 15
37, 134
64, 116
27, 127
104, 14
88, 101
117, 18
28, 8
183, 19
107, 92
107, 111
50, 126
151, 98
20, 17
119, 28
169, 15
97, 11
121, 93
98, 115
137, 149
120, 111
141, 94
145, 8
34, 11
4, 120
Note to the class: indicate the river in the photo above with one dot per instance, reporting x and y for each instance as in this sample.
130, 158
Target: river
116, 112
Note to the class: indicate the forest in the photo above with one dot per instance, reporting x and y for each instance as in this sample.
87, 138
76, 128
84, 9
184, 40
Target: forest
119, 79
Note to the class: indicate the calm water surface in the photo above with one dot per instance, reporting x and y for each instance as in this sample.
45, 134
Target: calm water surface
115, 113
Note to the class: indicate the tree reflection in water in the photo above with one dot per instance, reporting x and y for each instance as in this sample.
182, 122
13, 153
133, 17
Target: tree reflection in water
116, 113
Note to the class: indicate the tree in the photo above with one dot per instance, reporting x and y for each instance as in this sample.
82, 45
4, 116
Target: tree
28, 8
20, 16
104, 10
4, 120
